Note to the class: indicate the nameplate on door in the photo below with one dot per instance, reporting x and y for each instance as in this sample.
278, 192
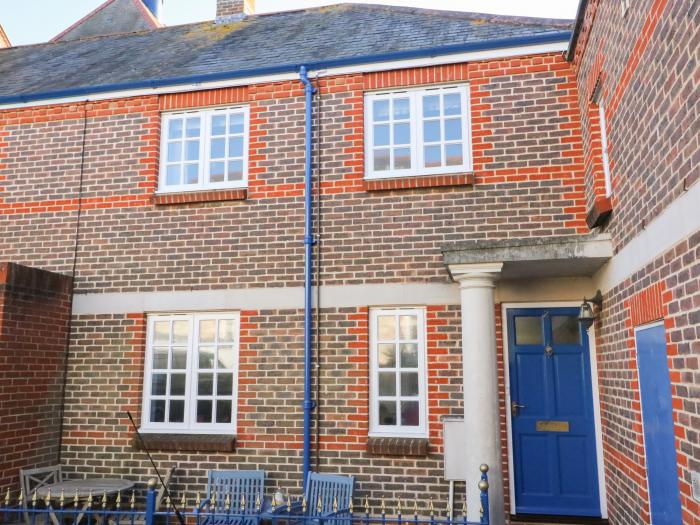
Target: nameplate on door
552, 426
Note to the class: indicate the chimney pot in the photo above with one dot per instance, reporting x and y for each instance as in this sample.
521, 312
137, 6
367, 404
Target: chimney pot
234, 8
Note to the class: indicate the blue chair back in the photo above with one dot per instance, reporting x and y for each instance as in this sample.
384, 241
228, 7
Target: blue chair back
328, 488
235, 484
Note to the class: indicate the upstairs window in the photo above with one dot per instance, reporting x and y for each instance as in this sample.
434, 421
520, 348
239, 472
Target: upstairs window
398, 405
202, 150
191, 373
417, 132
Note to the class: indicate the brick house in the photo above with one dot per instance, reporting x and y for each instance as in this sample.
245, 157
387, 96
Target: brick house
473, 178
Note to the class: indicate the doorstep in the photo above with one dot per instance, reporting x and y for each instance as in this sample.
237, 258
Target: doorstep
532, 519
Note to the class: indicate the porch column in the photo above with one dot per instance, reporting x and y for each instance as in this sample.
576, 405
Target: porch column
481, 416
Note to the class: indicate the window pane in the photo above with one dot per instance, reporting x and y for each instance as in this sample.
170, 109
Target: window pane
192, 127
226, 331
387, 384
431, 106
236, 124
380, 110
453, 155
432, 157
410, 413
181, 330
235, 170
386, 357
402, 158
173, 175
161, 332
191, 173
402, 109
453, 104
175, 152
177, 411
192, 150
218, 148
205, 385
225, 355
224, 384
216, 171
453, 129
381, 159
565, 329
177, 384
387, 326
402, 133
409, 355
235, 147
158, 411
528, 330
408, 327
223, 411
158, 384
179, 359
206, 357
175, 129
204, 411
160, 358
387, 412
409, 384
218, 125
381, 134
207, 331
431, 131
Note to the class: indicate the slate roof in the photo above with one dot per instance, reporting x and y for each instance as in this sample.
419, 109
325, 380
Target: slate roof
279, 42
112, 17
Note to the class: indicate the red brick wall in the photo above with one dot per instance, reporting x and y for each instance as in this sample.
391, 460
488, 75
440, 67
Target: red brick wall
33, 324
642, 60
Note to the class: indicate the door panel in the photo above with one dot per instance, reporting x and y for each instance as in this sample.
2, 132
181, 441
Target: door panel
554, 452
657, 416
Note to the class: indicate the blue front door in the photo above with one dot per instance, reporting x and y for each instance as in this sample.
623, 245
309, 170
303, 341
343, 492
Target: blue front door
552, 420
657, 416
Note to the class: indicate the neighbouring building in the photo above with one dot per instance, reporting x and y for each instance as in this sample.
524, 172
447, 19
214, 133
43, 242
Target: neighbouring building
474, 177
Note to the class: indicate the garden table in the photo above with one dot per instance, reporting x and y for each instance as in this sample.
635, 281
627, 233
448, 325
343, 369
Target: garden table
84, 488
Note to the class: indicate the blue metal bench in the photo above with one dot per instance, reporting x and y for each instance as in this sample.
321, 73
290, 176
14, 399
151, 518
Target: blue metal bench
326, 496
233, 497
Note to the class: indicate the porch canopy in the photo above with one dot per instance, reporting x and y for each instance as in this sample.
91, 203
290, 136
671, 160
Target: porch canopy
476, 265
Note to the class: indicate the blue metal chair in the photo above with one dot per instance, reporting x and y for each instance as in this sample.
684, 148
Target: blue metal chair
233, 497
326, 496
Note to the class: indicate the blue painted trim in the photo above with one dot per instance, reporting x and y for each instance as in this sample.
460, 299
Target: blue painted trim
546, 38
308, 404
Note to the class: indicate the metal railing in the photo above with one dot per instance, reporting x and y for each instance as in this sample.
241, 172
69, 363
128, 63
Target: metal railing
123, 510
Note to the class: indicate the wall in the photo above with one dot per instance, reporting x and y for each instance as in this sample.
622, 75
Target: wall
646, 63
34, 306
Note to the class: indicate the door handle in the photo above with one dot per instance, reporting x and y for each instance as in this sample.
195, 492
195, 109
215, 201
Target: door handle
515, 408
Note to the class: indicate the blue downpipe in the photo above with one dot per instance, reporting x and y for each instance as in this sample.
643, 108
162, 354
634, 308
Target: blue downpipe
308, 404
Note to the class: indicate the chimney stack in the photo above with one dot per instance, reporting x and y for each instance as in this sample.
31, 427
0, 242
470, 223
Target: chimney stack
232, 9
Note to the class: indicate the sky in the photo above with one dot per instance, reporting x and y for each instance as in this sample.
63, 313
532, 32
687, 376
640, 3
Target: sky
32, 21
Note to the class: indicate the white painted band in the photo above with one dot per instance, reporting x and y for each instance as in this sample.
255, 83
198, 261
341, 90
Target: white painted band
454, 58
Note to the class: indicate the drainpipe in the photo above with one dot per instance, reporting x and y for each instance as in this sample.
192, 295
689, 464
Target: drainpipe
308, 253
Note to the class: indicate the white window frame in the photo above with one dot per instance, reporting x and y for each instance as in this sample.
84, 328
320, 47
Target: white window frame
204, 149
604, 152
190, 425
416, 125
375, 429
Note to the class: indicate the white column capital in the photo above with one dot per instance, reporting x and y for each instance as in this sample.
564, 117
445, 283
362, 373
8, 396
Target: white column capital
477, 275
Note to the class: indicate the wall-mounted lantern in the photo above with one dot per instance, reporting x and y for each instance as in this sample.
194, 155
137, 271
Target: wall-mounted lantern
587, 314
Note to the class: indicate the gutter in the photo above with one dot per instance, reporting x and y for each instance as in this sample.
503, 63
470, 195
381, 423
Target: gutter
308, 404
580, 13
545, 38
